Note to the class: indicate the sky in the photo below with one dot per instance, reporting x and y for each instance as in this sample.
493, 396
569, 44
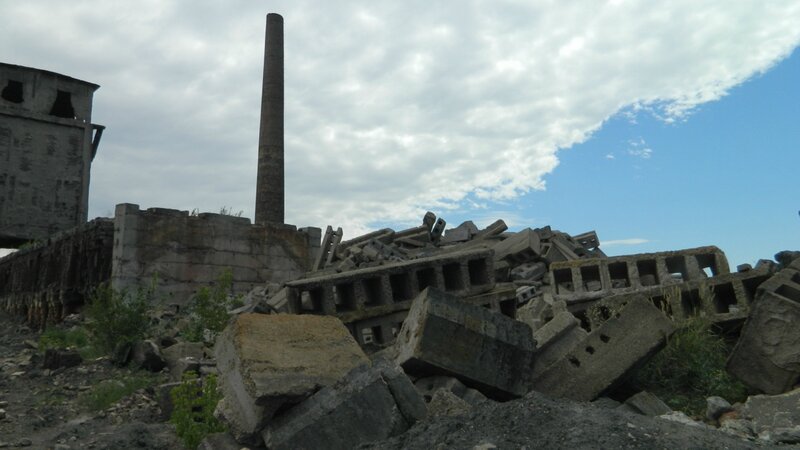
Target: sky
660, 127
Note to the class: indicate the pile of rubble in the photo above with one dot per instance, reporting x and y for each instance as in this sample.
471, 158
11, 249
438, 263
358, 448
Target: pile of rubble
391, 327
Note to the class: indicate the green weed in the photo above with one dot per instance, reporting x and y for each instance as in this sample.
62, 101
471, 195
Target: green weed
690, 368
108, 392
77, 338
117, 317
209, 308
193, 414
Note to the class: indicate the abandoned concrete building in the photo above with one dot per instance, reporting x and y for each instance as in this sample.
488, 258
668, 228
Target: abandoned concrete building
47, 144
374, 324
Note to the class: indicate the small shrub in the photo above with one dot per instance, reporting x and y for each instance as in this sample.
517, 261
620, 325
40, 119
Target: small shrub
108, 392
193, 414
691, 368
209, 308
117, 318
77, 338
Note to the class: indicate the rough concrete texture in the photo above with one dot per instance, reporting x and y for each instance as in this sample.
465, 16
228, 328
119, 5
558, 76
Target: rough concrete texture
485, 350
556, 339
609, 352
588, 279
52, 279
186, 251
767, 354
361, 408
46, 152
723, 299
646, 404
771, 412
268, 361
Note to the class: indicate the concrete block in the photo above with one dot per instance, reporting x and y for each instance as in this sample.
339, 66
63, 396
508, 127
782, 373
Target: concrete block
646, 404
268, 361
521, 247
607, 354
485, 350
555, 339
767, 355
461, 233
358, 409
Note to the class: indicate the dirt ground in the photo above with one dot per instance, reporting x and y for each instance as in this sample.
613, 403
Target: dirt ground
46, 409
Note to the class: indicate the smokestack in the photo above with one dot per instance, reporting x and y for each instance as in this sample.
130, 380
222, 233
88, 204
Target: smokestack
269, 184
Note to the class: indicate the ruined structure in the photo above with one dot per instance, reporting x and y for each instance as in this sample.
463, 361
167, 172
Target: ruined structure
269, 186
47, 144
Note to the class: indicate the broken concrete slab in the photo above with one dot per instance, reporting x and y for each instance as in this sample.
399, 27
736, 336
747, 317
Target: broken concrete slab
607, 354
522, 247
360, 408
427, 386
772, 412
555, 339
488, 351
268, 361
767, 355
646, 404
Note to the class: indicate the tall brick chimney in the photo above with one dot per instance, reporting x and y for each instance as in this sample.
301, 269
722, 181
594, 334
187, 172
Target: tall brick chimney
269, 184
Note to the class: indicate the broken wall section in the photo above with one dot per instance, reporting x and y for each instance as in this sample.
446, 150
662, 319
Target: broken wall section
187, 251
52, 279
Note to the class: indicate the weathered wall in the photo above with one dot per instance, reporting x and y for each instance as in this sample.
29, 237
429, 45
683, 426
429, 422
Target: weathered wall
52, 278
45, 153
187, 251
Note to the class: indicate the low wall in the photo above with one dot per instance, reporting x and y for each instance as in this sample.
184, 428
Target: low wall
189, 251
52, 278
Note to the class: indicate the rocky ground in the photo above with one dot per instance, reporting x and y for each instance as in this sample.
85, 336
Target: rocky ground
47, 409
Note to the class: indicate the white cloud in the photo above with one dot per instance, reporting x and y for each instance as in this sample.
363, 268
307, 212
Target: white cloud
392, 108
618, 242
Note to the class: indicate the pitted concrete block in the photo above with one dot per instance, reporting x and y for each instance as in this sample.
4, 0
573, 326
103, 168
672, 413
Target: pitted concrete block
268, 361
485, 350
634, 333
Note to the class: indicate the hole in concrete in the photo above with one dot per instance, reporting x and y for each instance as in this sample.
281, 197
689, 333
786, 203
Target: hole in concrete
574, 361
648, 272
724, 296
590, 350
62, 107
708, 264
618, 273
401, 288
750, 286
452, 277
13, 92
591, 278
661, 303
604, 312
311, 301
789, 292
373, 292
478, 274
508, 308
426, 277
676, 266
796, 278
604, 338
377, 335
366, 335
563, 281
691, 303
345, 297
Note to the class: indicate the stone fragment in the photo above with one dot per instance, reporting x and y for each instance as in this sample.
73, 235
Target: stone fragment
461, 233
58, 358
771, 412
485, 350
555, 339
147, 355
268, 361
607, 354
767, 355
358, 409
219, 441
175, 356
445, 403
521, 247
716, 406
532, 271
427, 386
681, 417
164, 399
646, 404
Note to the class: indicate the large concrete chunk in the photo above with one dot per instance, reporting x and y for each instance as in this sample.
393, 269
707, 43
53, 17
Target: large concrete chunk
268, 361
767, 355
371, 403
485, 350
632, 334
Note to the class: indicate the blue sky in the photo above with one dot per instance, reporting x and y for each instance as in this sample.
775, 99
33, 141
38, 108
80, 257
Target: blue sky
472, 109
726, 175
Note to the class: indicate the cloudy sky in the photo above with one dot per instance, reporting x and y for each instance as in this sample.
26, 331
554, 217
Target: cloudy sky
581, 115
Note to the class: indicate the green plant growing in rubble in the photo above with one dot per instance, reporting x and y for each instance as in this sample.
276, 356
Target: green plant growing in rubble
118, 318
209, 308
193, 415
690, 368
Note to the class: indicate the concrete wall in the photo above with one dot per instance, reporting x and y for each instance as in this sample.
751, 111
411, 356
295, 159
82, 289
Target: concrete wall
188, 251
53, 278
45, 153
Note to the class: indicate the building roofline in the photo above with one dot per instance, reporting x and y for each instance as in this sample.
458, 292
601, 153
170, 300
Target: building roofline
48, 72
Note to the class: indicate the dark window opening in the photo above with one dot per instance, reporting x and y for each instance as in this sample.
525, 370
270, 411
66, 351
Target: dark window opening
619, 275
62, 107
13, 92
